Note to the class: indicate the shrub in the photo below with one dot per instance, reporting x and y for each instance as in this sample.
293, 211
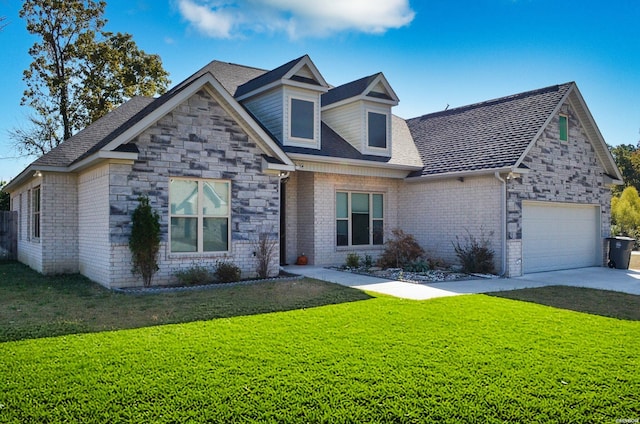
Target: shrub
353, 260
475, 254
368, 261
418, 266
400, 250
194, 275
144, 241
227, 272
265, 247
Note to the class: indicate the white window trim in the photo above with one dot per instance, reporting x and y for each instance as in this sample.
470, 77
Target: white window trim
299, 141
351, 246
36, 216
378, 151
200, 220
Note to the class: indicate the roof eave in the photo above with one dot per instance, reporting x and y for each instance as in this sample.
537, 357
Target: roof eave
354, 162
469, 173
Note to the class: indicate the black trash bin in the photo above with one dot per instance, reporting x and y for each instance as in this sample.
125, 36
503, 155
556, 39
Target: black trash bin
620, 251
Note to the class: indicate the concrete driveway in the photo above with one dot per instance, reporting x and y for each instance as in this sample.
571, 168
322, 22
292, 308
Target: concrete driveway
627, 281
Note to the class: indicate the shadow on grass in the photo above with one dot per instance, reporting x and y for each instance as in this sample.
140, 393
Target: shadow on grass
35, 306
592, 301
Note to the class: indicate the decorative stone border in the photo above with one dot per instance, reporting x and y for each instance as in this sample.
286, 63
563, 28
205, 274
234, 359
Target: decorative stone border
172, 289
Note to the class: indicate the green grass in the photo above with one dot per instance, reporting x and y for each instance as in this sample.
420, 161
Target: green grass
599, 302
471, 358
32, 305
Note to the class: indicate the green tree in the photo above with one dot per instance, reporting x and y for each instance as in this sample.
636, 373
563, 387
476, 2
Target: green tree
627, 158
79, 72
144, 241
625, 213
5, 198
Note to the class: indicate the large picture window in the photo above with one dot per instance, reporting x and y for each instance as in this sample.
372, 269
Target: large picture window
200, 214
359, 219
302, 114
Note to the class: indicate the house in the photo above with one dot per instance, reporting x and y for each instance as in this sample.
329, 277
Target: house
235, 151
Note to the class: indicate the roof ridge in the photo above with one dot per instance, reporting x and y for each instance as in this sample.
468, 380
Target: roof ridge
495, 101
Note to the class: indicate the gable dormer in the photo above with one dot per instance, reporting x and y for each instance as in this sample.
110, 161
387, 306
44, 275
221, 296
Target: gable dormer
360, 111
286, 101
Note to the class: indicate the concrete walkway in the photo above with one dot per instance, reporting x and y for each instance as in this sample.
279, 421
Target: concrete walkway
627, 281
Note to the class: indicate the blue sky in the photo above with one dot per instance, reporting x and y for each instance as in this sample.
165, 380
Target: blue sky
434, 53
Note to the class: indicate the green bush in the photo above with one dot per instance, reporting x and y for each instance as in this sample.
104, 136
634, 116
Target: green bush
475, 253
144, 241
353, 260
194, 275
418, 266
400, 250
227, 272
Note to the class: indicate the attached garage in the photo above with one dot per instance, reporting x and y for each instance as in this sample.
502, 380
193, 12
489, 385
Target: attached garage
560, 236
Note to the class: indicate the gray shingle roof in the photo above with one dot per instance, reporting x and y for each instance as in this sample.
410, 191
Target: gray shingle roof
348, 90
487, 135
86, 140
265, 78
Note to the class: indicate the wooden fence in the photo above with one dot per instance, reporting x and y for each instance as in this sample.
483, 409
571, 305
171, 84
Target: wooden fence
8, 236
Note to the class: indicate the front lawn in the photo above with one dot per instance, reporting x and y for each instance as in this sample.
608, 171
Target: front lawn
32, 305
468, 358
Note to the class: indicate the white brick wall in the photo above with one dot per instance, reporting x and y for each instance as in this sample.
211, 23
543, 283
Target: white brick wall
315, 232
59, 223
436, 212
93, 224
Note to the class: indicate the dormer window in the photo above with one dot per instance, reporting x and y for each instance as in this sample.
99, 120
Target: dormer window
302, 115
377, 130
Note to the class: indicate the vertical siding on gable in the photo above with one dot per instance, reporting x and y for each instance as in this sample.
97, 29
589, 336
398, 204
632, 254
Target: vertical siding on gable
268, 108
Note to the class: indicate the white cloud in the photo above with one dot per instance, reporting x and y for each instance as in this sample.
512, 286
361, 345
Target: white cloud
211, 20
309, 18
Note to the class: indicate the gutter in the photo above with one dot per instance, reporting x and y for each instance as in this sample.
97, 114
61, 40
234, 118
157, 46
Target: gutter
503, 219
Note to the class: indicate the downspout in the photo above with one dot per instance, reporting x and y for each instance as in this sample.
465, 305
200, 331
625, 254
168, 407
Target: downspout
283, 176
503, 218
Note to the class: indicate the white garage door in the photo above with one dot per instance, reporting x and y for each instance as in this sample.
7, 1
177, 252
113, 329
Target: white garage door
559, 236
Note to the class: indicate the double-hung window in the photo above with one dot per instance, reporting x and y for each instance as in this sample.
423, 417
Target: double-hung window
359, 219
199, 211
35, 213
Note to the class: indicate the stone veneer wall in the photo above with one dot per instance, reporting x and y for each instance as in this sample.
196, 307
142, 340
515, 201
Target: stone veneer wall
560, 171
197, 139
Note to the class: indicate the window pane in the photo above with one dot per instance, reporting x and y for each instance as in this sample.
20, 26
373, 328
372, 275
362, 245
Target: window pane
184, 234
377, 130
359, 228
216, 198
360, 203
215, 235
342, 208
183, 196
377, 206
302, 119
563, 128
342, 232
378, 232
